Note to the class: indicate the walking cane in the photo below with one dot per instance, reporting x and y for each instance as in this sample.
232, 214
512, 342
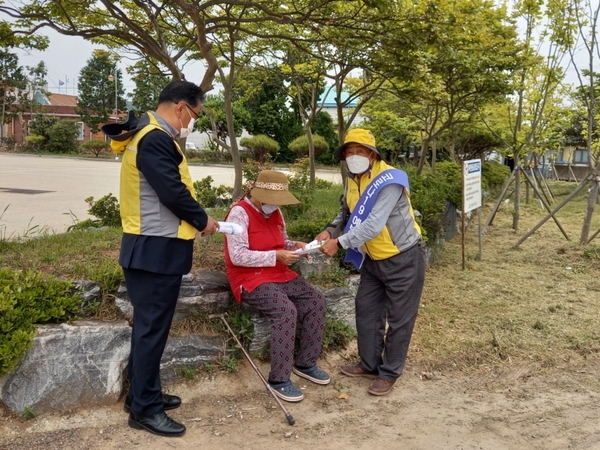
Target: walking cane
288, 416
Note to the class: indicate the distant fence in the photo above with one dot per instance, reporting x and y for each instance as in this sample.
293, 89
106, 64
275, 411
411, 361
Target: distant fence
570, 172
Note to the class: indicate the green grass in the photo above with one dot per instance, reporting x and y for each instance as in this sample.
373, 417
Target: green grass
536, 304
28, 413
188, 373
86, 254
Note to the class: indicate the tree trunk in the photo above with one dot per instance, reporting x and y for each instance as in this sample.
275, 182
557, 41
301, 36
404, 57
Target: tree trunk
433, 154
452, 148
311, 155
527, 193
591, 203
517, 194
2, 120
587, 221
423, 158
341, 137
235, 151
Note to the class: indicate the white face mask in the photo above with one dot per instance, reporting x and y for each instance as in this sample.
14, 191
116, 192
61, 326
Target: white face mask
269, 209
185, 132
357, 164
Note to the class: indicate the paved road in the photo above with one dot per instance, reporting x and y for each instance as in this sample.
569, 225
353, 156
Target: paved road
45, 194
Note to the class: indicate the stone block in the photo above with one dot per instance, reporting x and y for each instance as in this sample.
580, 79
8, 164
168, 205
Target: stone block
201, 291
191, 352
75, 364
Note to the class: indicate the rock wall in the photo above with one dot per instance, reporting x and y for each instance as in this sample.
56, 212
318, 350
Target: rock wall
84, 362
68, 365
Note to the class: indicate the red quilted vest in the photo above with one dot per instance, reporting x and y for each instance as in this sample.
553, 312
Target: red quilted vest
264, 234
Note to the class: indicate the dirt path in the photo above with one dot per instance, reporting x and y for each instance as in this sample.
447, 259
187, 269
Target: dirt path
503, 409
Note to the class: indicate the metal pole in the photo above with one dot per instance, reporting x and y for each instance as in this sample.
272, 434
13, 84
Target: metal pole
463, 227
480, 242
288, 416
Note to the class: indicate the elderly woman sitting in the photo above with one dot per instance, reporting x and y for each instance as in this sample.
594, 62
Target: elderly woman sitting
257, 266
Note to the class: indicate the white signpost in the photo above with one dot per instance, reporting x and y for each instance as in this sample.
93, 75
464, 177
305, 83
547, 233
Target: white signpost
472, 195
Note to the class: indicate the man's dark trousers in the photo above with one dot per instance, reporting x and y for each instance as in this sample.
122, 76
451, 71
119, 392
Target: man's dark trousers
389, 293
154, 297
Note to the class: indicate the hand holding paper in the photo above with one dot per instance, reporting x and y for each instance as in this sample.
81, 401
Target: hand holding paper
230, 228
311, 247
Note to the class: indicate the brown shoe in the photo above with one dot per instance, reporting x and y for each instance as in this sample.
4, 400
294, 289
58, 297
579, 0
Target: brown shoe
381, 387
357, 371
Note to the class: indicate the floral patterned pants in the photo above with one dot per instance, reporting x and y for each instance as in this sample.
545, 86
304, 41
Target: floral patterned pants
287, 305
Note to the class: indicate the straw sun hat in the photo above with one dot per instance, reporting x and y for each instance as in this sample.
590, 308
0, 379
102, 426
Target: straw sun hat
271, 187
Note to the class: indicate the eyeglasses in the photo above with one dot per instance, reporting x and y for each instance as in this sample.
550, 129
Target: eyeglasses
196, 116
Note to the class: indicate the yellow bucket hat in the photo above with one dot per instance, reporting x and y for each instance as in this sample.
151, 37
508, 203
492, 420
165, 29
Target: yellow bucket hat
357, 136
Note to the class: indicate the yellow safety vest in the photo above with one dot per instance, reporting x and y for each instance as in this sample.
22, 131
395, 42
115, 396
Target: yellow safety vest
141, 210
381, 246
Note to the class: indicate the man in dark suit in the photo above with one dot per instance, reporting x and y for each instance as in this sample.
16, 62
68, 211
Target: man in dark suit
160, 217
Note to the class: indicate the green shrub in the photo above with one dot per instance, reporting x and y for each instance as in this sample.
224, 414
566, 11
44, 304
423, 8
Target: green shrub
493, 176
299, 185
10, 143
299, 179
106, 211
62, 137
451, 173
96, 146
241, 324
252, 168
300, 145
209, 196
40, 126
260, 146
230, 364
35, 143
28, 298
305, 230
428, 195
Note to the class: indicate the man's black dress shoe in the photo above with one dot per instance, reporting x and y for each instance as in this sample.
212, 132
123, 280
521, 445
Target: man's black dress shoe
159, 424
169, 402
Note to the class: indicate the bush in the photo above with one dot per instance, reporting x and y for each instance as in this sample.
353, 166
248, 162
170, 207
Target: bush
252, 168
494, 175
96, 146
10, 143
428, 195
299, 185
27, 298
260, 146
451, 173
305, 230
40, 126
35, 143
209, 196
300, 145
62, 137
106, 210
